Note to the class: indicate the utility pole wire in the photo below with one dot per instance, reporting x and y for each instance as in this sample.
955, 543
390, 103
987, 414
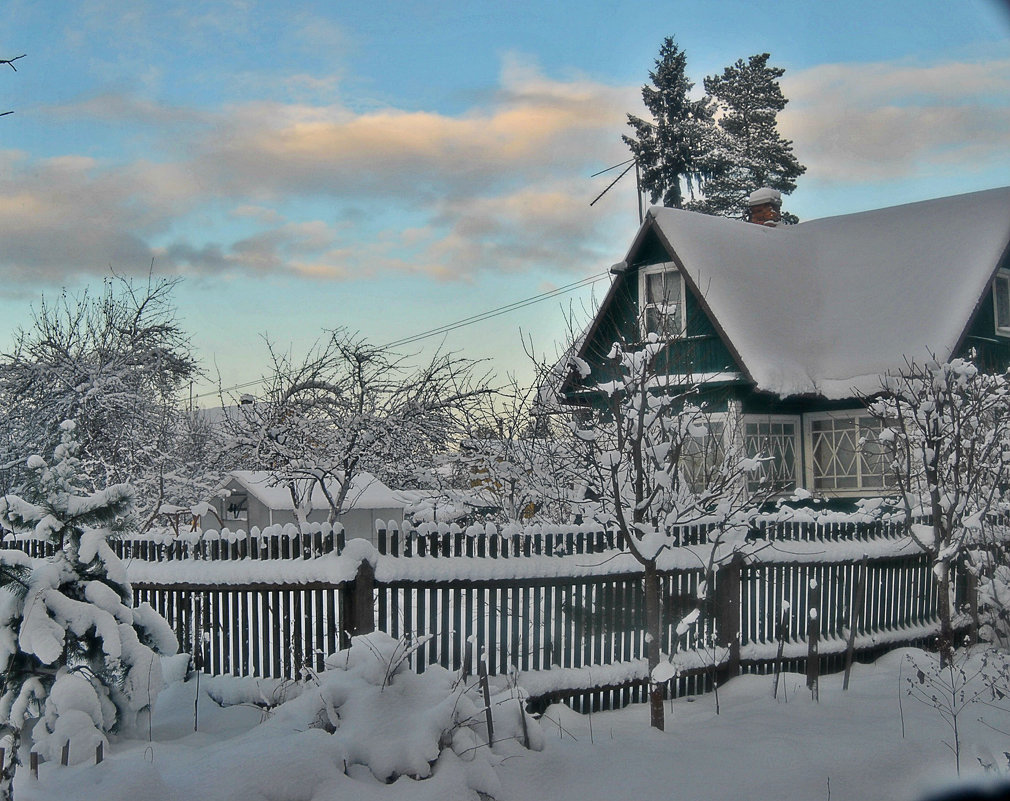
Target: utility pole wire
476, 318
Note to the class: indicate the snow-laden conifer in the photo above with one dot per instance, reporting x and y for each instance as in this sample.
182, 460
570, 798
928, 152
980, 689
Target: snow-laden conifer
669, 147
750, 152
76, 652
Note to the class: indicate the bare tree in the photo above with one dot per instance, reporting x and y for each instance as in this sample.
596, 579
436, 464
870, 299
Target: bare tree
116, 363
667, 460
517, 462
349, 407
946, 430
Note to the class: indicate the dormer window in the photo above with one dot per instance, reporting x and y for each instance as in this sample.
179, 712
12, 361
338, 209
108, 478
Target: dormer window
661, 289
1001, 298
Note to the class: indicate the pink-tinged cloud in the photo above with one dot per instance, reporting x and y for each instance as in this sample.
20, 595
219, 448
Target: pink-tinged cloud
500, 187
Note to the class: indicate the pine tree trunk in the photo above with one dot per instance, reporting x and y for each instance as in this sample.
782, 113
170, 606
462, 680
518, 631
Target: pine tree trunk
653, 618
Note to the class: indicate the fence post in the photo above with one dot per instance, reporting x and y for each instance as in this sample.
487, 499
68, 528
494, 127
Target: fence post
855, 616
482, 673
728, 586
971, 588
813, 636
356, 598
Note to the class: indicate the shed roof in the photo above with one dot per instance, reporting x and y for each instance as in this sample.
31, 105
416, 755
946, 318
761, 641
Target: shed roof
829, 305
366, 491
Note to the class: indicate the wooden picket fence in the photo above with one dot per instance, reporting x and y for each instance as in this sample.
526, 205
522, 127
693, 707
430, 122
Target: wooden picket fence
275, 542
573, 628
290, 541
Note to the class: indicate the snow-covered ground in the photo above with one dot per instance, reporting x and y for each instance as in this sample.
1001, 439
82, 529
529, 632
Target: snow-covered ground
859, 744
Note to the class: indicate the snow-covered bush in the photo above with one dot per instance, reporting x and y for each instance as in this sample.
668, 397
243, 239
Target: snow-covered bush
385, 721
73, 646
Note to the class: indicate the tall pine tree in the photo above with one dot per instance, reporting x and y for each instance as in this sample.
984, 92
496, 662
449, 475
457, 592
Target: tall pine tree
752, 153
670, 146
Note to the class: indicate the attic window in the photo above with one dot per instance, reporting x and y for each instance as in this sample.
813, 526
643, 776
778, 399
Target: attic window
661, 290
1001, 296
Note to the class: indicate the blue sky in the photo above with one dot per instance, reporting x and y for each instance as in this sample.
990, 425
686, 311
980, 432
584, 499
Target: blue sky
390, 167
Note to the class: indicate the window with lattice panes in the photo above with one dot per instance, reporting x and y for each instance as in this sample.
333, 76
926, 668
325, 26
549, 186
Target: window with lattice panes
846, 453
661, 289
775, 441
701, 456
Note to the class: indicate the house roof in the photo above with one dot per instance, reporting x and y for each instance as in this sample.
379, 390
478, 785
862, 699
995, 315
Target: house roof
366, 491
829, 305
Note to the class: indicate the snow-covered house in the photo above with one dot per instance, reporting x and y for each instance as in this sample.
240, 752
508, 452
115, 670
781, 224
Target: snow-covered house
255, 498
789, 326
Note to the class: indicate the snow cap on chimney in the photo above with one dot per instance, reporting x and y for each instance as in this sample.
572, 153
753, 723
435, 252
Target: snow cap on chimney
763, 206
765, 195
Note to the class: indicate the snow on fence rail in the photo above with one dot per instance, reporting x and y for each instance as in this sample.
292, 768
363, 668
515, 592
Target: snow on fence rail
573, 628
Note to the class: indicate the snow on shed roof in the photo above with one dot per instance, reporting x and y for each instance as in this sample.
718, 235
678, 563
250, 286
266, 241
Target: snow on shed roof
827, 306
366, 492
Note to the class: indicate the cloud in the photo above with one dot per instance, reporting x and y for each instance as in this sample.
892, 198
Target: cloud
881, 121
327, 192
498, 171
535, 124
119, 108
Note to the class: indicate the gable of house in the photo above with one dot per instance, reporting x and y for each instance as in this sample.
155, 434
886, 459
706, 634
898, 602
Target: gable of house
796, 323
827, 306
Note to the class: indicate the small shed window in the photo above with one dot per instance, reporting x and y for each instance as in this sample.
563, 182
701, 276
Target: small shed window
236, 506
1001, 296
661, 289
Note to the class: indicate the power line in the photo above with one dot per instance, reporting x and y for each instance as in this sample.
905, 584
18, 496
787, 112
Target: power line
487, 315
462, 323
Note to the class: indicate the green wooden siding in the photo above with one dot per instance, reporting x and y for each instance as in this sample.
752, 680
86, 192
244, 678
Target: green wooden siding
993, 350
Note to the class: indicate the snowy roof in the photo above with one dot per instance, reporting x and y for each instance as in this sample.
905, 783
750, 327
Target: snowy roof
366, 491
827, 306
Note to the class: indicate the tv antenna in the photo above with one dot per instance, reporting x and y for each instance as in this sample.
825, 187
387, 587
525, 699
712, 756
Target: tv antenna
632, 162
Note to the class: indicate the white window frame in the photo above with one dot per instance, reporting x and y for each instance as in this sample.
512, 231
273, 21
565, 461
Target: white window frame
1002, 277
643, 307
797, 422
721, 442
860, 490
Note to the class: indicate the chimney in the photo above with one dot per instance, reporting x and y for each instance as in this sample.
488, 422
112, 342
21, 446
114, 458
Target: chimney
764, 205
